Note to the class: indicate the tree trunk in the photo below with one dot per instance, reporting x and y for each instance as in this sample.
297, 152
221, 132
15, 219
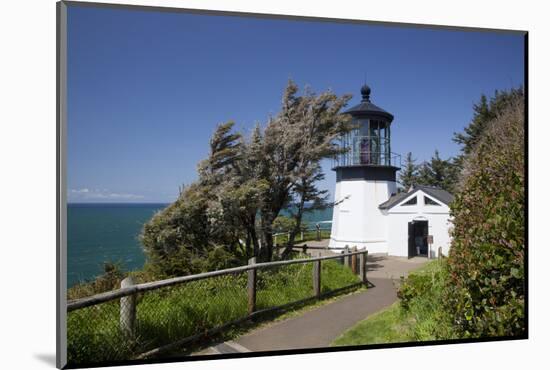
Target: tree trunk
251, 236
297, 226
273, 206
294, 232
267, 234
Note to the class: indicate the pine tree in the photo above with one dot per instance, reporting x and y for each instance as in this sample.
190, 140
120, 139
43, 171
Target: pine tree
439, 173
473, 132
409, 175
225, 147
425, 174
295, 141
438, 168
484, 112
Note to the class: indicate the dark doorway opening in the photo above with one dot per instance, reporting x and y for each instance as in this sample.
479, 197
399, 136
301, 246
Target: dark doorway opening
418, 238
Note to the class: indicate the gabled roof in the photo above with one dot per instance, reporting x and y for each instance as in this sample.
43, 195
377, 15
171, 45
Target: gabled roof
394, 199
441, 195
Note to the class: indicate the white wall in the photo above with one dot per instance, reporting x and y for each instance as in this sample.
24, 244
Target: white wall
357, 221
438, 225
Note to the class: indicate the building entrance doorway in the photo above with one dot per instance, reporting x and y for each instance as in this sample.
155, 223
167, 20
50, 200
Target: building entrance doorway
418, 238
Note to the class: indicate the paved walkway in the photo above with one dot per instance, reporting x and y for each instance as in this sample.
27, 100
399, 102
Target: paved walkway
320, 326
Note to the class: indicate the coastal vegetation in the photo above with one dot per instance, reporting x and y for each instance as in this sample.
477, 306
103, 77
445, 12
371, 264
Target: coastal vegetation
417, 316
170, 314
248, 189
230, 213
486, 294
226, 217
479, 290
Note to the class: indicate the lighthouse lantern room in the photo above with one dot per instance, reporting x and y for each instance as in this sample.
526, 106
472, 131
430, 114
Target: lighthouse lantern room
365, 178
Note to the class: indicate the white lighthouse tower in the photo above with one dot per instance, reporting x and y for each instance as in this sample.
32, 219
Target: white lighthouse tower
365, 178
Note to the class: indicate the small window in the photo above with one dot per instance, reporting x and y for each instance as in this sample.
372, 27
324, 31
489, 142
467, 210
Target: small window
430, 202
410, 202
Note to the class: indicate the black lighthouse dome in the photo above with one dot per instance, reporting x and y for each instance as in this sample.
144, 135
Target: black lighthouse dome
368, 153
367, 108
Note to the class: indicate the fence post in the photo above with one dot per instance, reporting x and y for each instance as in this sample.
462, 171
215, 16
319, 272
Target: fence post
354, 262
439, 253
363, 266
317, 278
128, 309
252, 287
346, 256
275, 238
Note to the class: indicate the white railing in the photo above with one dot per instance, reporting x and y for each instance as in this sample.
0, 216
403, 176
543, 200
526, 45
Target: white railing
301, 234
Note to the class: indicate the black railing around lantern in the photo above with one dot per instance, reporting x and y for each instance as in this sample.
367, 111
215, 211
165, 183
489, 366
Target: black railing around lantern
366, 150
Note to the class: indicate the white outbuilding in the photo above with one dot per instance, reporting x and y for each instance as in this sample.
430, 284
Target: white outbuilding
369, 212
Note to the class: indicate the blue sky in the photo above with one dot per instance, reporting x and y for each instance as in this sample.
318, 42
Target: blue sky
146, 89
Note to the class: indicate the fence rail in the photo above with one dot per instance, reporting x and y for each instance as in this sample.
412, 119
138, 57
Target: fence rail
305, 247
139, 320
301, 236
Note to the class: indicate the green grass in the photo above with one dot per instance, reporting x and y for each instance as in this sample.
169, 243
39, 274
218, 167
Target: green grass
417, 316
170, 314
386, 326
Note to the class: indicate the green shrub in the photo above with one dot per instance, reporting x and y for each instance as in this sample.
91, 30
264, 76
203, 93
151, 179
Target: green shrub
176, 240
419, 315
421, 300
412, 288
486, 262
109, 280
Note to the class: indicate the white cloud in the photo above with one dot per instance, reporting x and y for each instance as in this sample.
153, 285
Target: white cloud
80, 191
86, 194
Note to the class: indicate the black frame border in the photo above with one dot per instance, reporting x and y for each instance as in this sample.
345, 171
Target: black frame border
61, 210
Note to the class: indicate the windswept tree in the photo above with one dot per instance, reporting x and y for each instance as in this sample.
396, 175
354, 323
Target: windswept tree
220, 182
227, 215
296, 140
246, 188
225, 149
201, 229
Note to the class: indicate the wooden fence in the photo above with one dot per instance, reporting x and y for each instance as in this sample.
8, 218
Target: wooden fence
300, 236
127, 294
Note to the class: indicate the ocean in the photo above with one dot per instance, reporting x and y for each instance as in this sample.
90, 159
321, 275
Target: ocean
109, 232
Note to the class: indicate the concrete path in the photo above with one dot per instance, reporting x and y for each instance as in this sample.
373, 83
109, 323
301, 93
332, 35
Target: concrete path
320, 326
